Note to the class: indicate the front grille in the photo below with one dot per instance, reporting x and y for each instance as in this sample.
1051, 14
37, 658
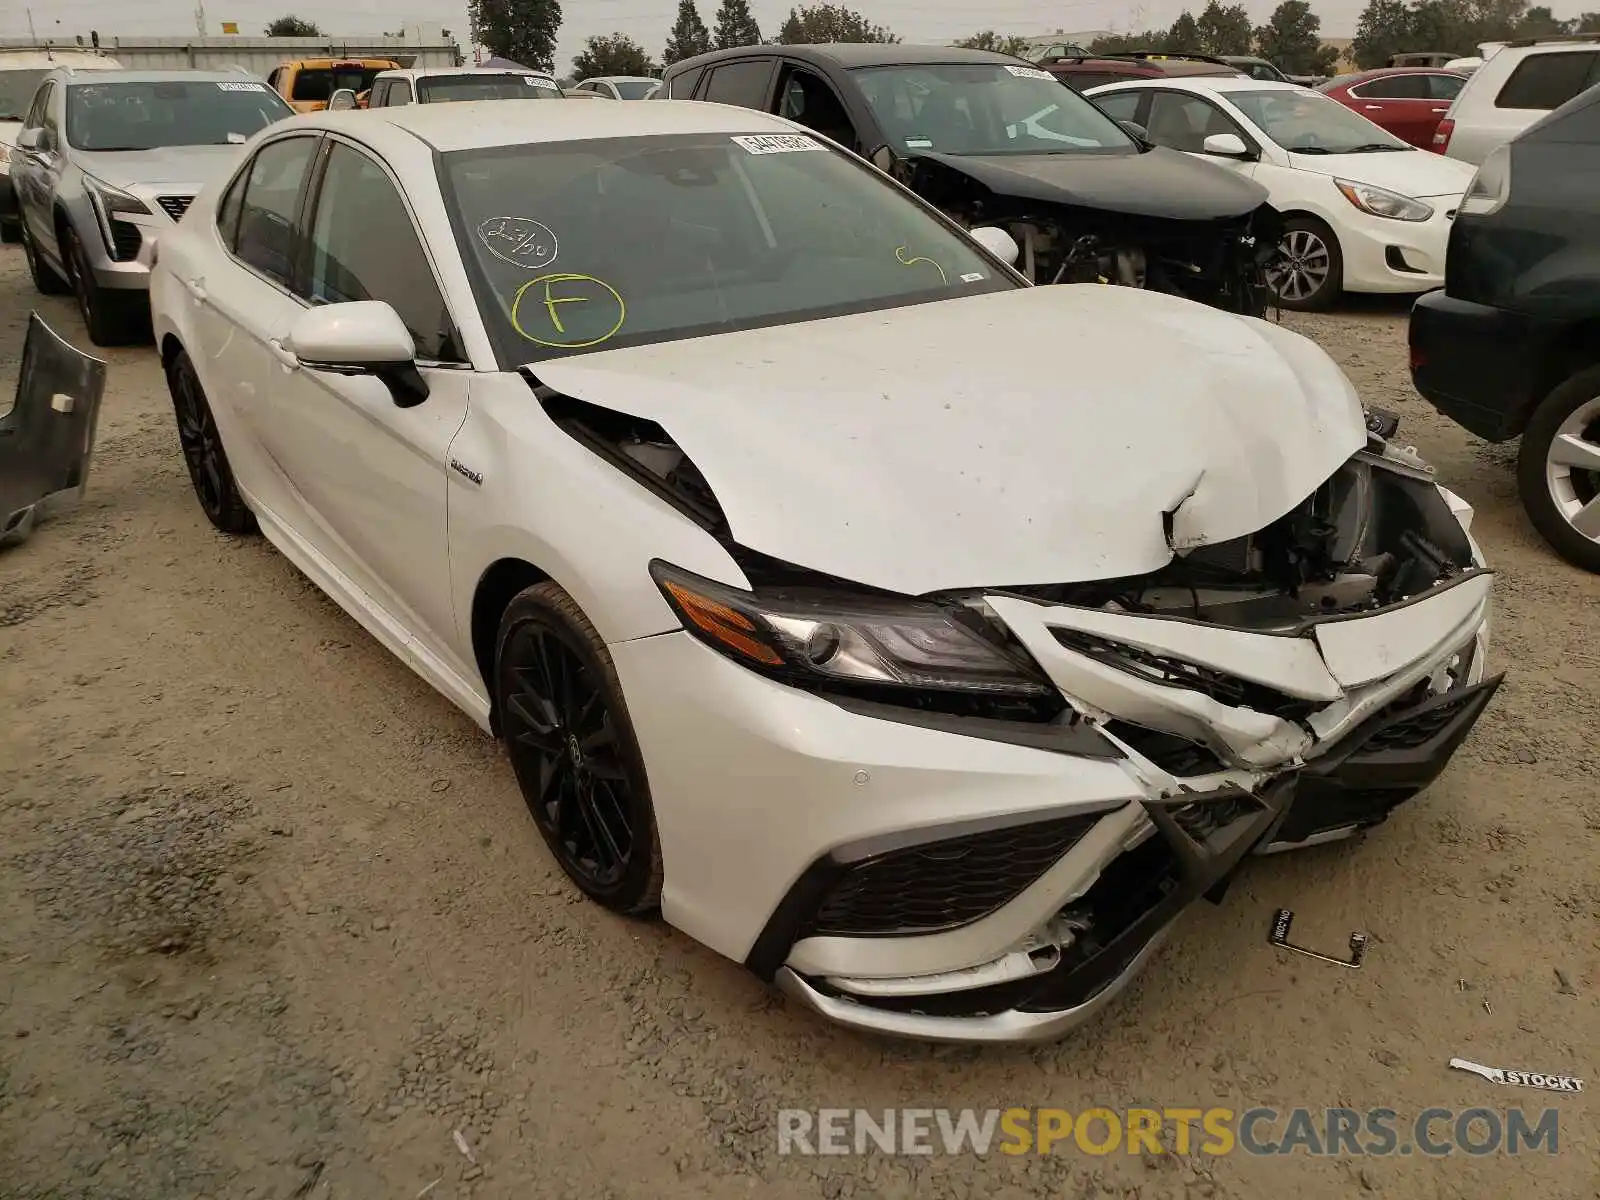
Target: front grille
1176, 672
125, 241
942, 885
1417, 730
175, 206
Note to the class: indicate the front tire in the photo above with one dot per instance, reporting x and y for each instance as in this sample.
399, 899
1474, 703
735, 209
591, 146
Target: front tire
573, 749
1309, 273
203, 454
1558, 469
46, 279
110, 317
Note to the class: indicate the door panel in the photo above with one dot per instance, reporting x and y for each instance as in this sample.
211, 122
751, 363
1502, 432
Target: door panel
371, 475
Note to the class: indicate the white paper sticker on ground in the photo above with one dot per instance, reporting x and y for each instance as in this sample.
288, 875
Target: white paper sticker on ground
1031, 73
777, 143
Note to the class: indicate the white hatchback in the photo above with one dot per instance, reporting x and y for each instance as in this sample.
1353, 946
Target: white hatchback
1363, 211
671, 443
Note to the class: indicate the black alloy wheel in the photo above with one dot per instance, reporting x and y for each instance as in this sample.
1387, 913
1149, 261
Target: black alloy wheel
203, 454
572, 746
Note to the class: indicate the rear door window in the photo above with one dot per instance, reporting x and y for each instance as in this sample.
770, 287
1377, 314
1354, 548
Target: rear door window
1542, 82
1444, 87
742, 83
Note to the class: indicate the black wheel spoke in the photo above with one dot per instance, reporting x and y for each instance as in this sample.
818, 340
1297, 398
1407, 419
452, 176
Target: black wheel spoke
608, 854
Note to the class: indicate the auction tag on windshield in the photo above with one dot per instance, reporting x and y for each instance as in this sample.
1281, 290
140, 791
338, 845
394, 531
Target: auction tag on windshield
777, 143
1031, 73
919, 143
243, 87
237, 139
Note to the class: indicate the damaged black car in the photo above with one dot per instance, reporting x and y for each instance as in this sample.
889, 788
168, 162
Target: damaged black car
994, 141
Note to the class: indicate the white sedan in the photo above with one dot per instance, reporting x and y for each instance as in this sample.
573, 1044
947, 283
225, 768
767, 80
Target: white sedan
695, 459
1364, 211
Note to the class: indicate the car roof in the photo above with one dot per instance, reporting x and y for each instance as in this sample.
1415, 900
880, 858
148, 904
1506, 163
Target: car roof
1418, 69
425, 72
620, 79
485, 124
849, 55
123, 75
1209, 83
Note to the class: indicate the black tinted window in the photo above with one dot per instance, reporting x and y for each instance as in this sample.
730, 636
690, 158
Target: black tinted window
1444, 87
1119, 106
145, 116
741, 83
484, 86
1393, 87
364, 247
320, 83
1546, 81
682, 86
271, 203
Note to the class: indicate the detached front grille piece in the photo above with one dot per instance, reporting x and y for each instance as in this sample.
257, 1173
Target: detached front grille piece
947, 884
175, 206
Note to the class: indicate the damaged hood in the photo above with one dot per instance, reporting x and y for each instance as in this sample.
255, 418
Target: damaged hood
1035, 436
1156, 183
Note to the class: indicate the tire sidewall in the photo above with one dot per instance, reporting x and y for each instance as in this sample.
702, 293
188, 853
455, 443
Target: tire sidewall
1534, 490
547, 604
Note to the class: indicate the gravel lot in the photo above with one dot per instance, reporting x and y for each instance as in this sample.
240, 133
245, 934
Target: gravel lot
275, 923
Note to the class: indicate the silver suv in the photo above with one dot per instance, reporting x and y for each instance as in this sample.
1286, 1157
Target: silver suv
1516, 86
108, 159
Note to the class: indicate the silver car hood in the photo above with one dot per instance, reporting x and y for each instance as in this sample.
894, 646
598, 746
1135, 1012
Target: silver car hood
167, 170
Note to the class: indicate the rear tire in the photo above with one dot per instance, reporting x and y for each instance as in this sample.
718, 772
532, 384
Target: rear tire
10, 233
111, 317
573, 749
1560, 493
1309, 273
203, 454
46, 279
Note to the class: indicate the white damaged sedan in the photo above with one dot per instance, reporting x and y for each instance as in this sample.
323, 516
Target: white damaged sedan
924, 640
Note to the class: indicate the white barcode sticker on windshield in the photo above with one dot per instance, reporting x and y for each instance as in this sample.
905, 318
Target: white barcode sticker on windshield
1031, 73
777, 143
972, 277
243, 87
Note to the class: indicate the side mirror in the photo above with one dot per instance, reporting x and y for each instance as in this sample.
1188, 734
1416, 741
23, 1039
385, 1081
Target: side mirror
30, 139
998, 243
883, 159
342, 99
1225, 145
363, 337
1135, 130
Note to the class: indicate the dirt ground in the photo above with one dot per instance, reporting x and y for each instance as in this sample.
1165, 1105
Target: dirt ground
275, 923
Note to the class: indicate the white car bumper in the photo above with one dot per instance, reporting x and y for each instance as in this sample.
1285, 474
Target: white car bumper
953, 878
1384, 255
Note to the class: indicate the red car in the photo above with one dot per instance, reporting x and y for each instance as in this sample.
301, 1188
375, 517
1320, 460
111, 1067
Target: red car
1407, 101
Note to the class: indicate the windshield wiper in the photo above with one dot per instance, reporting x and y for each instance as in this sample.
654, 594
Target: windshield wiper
1308, 150
1368, 147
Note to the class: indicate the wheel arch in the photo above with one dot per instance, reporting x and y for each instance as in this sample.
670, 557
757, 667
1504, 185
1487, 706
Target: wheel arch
1575, 349
499, 584
170, 348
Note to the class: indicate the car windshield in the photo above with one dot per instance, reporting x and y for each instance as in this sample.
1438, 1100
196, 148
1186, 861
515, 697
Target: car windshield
320, 83
986, 108
16, 92
596, 245
634, 89
1307, 122
143, 116
431, 89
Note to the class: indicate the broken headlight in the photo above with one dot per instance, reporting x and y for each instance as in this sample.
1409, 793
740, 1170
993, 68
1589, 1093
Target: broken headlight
849, 642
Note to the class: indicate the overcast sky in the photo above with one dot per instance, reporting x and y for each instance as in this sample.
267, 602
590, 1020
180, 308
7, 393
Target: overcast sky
646, 21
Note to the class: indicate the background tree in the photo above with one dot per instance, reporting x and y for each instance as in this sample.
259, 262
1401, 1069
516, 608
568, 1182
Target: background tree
736, 25
293, 26
1223, 30
522, 30
1541, 22
829, 23
1184, 34
990, 40
1589, 22
613, 54
1292, 38
1121, 43
1384, 28
689, 35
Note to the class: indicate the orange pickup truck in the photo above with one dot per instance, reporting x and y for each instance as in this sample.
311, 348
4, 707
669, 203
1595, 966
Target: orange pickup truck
308, 84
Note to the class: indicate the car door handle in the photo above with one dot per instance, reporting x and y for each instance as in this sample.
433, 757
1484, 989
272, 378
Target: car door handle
1441, 110
197, 288
286, 357
1374, 108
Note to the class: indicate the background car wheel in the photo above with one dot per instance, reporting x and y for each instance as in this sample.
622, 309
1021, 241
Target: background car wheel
1309, 273
10, 232
203, 453
572, 746
45, 277
1558, 469
110, 317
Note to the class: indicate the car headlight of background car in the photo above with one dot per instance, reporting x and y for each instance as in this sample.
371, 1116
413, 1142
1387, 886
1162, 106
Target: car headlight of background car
826, 641
109, 201
1380, 202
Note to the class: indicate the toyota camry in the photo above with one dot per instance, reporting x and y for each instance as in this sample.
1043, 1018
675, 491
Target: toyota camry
723, 480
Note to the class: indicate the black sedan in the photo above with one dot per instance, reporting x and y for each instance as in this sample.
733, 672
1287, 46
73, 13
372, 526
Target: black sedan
993, 140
